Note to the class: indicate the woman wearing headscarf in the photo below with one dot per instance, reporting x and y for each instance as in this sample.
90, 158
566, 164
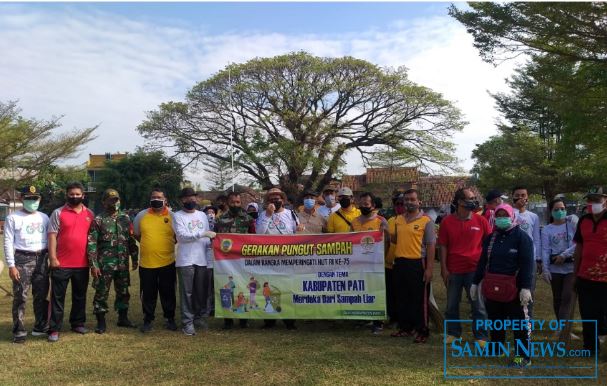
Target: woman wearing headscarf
506, 269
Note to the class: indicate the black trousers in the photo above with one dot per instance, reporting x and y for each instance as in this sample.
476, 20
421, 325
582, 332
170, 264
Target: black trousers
409, 287
390, 303
60, 278
502, 311
592, 297
158, 281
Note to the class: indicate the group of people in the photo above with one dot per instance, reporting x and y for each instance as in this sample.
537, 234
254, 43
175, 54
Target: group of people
491, 253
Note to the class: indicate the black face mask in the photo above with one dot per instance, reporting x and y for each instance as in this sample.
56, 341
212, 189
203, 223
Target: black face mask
470, 204
365, 210
235, 209
411, 207
277, 204
254, 215
345, 202
74, 201
156, 204
189, 205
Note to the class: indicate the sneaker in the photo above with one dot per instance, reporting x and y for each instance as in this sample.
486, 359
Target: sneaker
450, 339
520, 362
189, 330
146, 327
602, 338
575, 337
19, 339
376, 330
53, 336
80, 330
170, 325
39, 332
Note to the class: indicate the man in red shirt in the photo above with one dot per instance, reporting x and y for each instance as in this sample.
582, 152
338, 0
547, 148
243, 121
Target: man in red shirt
460, 238
591, 264
67, 239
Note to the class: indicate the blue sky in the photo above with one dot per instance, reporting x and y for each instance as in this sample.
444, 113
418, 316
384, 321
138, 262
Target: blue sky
107, 64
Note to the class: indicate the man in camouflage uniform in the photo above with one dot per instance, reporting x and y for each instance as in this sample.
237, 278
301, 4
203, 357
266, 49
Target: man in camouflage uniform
234, 220
110, 243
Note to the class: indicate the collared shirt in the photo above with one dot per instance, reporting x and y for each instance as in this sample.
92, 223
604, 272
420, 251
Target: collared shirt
375, 223
72, 229
24, 231
592, 236
312, 222
463, 239
157, 243
325, 211
411, 237
336, 224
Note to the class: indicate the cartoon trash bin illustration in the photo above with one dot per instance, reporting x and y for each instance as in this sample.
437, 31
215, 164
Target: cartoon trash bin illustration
226, 298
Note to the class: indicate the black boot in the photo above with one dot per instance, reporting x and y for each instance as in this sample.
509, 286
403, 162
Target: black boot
100, 329
123, 319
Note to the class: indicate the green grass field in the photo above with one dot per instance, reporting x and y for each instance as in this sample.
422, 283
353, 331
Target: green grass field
317, 353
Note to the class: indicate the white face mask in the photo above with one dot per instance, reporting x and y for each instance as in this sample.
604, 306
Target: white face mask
597, 208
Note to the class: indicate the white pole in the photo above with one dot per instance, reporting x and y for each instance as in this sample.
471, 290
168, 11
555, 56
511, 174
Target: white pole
231, 126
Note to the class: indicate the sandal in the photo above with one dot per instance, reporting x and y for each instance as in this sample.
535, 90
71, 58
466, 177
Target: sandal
401, 334
421, 339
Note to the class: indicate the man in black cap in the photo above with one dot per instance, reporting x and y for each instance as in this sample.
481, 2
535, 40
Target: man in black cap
111, 242
26, 253
492, 200
590, 258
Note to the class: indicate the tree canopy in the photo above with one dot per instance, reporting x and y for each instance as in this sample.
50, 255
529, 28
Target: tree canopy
297, 115
29, 145
136, 175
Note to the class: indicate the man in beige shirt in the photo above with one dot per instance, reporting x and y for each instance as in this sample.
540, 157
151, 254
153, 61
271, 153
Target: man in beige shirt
310, 220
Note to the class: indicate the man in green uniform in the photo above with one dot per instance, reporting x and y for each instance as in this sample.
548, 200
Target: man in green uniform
110, 243
234, 220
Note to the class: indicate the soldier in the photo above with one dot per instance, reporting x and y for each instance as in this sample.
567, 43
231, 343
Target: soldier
234, 220
26, 253
110, 243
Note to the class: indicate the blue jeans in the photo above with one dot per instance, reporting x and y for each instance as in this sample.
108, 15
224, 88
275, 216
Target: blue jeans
457, 281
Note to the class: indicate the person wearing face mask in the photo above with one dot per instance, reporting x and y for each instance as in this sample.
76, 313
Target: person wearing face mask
26, 253
221, 204
67, 240
191, 229
331, 205
507, 253
414, 237
111, 242
253, 210
236, 220
276, 220
590, 265
211, 213
311, 220
492, 200
557, 257
341, 220
369, 220
153, 228
460, 239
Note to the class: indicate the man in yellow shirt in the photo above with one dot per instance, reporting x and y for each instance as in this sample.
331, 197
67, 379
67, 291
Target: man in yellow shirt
157, 274
414, 238
341, 221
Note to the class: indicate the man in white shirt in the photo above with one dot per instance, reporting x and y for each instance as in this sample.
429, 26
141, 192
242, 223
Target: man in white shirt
277, 220
26, 253
331, 205
191, 228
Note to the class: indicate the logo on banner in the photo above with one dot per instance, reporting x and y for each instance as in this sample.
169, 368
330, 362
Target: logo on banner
226, 245
367, 243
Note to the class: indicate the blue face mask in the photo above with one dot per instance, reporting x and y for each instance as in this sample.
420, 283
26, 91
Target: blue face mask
559, 214
309, 203
31, 205
503, 223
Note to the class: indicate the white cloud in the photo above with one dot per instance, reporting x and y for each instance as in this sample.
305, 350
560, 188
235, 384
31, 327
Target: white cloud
101, 68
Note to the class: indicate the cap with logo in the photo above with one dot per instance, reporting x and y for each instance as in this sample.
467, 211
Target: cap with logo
30, 191
345, 191
596, 191
493, 194
110, 194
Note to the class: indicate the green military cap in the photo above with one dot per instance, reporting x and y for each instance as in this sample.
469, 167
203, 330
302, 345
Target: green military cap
110, 193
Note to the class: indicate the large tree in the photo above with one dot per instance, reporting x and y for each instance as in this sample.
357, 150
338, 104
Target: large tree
30, 145
294, 115
136, 175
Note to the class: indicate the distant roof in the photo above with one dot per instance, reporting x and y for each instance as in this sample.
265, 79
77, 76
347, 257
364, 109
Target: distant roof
97, 161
